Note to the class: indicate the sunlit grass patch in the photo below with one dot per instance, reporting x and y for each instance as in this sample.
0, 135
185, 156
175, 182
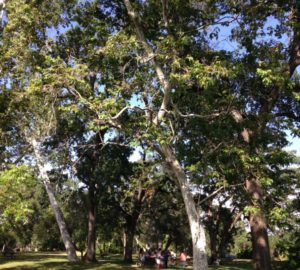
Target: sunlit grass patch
58, 261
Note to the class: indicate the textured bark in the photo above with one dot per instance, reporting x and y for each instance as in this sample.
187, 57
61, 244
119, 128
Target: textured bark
70, 248
259, 234
90, 255
197, 229
259, 237
294, 52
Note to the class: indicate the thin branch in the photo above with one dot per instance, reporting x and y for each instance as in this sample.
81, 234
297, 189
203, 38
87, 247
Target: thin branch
236, 219
216, 192
103, 144
211, 195
194, 115
165, 12
135, 108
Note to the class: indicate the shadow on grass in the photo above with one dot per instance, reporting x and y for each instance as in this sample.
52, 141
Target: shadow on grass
58, 261
33, 256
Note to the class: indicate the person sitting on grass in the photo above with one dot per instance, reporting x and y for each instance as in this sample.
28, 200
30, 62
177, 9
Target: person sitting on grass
182, 259
142, 257
159, 259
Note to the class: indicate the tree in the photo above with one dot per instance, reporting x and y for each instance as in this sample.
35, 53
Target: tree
149, 71
17, 204
99, 174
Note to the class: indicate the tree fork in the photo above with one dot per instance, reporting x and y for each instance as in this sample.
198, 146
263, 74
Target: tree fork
196, 227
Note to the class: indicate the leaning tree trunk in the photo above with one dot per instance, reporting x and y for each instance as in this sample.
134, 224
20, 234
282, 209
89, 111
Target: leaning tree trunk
70, 248
197, 229
90, 255
129, 233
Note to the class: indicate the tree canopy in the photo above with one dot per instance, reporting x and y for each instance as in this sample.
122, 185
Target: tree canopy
206, 91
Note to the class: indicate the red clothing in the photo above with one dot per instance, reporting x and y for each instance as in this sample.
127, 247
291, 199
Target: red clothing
182, 257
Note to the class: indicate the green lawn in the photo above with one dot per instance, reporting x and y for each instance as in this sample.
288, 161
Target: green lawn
58, 261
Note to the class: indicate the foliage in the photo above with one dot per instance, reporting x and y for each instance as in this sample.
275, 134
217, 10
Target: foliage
81, 73
17, 185
242, 245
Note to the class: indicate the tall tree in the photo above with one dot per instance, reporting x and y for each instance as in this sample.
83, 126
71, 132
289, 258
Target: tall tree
99, 174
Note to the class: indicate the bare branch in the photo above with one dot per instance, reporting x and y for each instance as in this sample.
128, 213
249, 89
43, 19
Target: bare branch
165, 12
135, 108
236, 219
193, 115
211, 195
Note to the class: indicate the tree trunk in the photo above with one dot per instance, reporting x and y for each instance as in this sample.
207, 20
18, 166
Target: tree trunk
215, 256
197, 229
260, 243
259, 234
168, 243
128, 238
70, 248
90, 255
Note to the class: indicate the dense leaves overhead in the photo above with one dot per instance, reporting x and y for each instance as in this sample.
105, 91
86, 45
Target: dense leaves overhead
211, 85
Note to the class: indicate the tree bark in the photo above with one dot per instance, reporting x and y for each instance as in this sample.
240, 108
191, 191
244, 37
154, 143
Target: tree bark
294, 50
90, 255
128, 238
215, 255
213, 234
70, 248
258, 224
259, 235
197, 229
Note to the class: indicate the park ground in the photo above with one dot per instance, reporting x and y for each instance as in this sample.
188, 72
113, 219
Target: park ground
58, 261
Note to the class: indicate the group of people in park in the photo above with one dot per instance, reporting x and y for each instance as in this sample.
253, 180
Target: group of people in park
161, 258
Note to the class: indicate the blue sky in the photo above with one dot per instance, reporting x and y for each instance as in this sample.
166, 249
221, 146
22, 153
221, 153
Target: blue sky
294, 144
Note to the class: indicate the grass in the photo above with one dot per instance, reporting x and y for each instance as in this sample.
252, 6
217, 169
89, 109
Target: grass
58, 261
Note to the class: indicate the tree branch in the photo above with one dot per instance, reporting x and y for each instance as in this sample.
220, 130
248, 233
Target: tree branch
150, 55
211, 195
294, 60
